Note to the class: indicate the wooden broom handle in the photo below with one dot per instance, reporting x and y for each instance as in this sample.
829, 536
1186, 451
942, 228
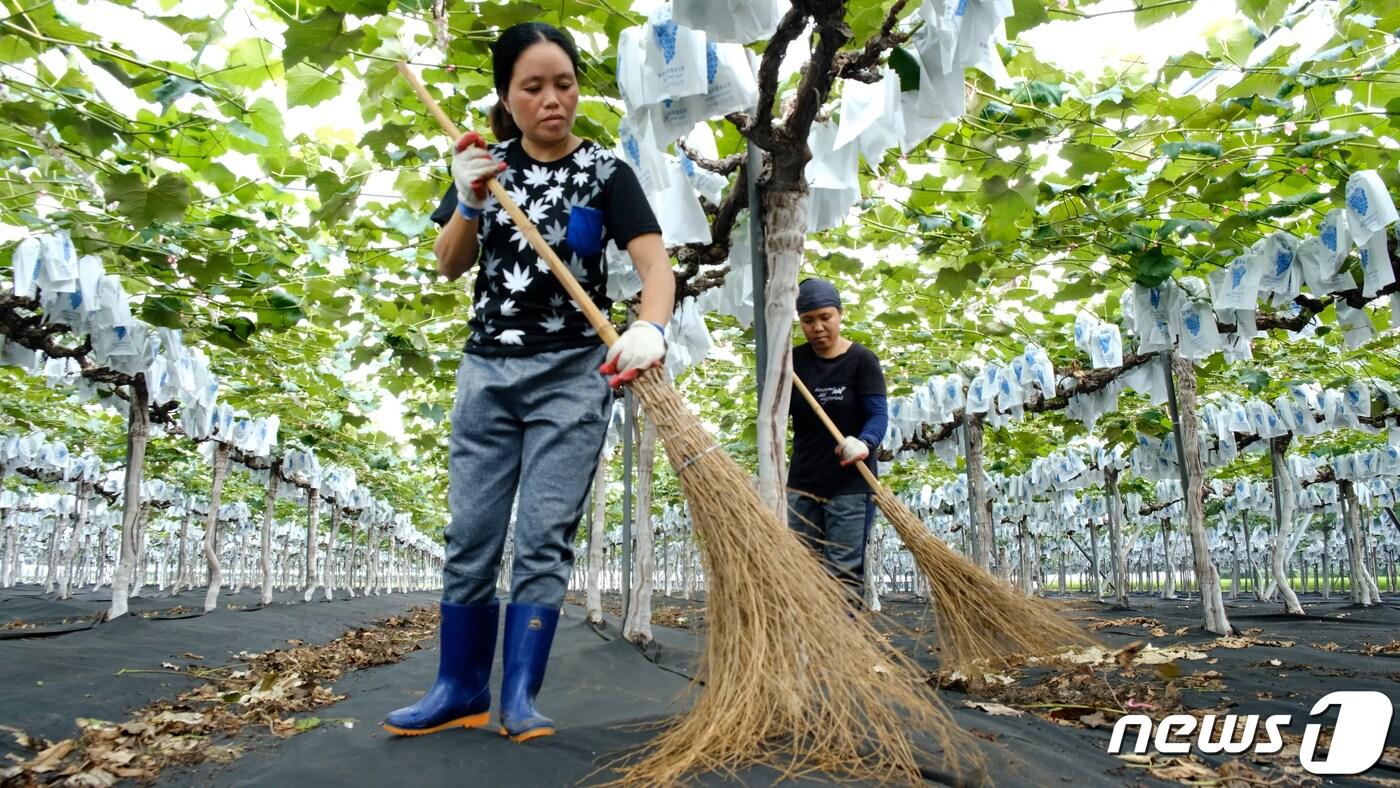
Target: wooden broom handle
835, 431
600, 323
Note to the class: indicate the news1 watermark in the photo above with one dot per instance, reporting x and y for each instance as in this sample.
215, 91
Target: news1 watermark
1358, 736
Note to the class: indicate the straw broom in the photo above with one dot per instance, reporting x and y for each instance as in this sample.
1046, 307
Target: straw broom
977, 617
789, 680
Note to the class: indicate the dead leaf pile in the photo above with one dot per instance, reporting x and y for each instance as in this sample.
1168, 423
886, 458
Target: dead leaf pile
1390, 649
1145, 622
263, 693
1245, 641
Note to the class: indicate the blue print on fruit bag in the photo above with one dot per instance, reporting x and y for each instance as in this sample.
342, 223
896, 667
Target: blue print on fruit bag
711, 62
1356, 200
1105, 344
666, 38
1282, 259
1193, 323
1329, 236
688, 167
634, 151
1237, 273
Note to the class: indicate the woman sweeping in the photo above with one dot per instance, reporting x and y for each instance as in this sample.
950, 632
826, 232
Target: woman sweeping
532, 399
829, 504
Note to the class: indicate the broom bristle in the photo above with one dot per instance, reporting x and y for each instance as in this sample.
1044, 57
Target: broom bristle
790, 679
978, 618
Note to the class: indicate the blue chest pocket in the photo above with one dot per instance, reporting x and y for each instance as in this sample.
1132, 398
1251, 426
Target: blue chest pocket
585, 230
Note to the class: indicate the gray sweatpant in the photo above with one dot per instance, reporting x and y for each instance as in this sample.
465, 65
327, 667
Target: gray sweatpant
533, 424
836, 529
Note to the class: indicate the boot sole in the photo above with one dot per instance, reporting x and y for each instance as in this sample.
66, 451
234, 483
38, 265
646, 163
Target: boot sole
470, 721
520, 738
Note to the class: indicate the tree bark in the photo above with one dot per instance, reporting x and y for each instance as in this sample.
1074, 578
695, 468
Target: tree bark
313, 515
137, 434
1208, 579
1326, 563
1235, 567
980, 508
637, 628
330, 551
875, 546
138, 581
597, 542
785, 215
1062, 569
1023, 540
1283, 521
1168, 573
1094, 570
1115, 539
80, 510
55, 543
182, 576
211, 526
274, 473
7, 572
1361, 582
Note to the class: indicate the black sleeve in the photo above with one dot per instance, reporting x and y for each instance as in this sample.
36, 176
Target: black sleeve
626, 212
443, 214
869, 378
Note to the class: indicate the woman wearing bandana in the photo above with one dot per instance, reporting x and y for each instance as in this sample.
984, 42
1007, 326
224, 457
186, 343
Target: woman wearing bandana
531, 408
829, 504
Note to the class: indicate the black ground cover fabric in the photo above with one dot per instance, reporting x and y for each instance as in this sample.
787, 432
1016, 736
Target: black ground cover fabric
46, 683
607, 696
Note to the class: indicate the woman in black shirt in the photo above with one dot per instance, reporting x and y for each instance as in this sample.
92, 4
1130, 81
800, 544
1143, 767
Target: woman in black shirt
829, 504
532, 408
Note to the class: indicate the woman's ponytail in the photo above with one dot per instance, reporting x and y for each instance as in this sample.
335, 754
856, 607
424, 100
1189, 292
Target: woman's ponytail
502, 124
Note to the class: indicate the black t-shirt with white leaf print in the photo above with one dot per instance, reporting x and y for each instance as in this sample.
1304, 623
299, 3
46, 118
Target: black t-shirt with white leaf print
519, 308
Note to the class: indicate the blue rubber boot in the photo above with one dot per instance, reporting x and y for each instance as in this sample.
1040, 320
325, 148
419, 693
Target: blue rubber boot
461, 696
525, 653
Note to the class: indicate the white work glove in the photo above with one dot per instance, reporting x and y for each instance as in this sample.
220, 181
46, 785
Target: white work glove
852, 450
641, 347
471, 166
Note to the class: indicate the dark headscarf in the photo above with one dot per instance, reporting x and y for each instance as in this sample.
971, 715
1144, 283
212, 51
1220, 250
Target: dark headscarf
816, 294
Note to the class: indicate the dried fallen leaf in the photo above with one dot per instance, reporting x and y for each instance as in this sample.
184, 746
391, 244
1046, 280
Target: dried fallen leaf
1125, 657
188, 655
1168, 671
1182, 631
93, 778
134, 728
994, 709
182, 718
1185, 770
1160, 656
1095, 720
51, 757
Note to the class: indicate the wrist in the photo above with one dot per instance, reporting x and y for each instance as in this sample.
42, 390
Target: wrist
468, 212
656, 326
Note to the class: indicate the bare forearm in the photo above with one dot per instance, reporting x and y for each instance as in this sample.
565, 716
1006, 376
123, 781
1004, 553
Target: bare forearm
658, 280
456, 247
